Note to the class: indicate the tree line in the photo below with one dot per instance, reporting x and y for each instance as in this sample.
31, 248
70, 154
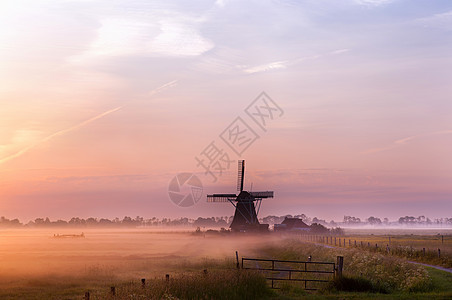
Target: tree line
219, 222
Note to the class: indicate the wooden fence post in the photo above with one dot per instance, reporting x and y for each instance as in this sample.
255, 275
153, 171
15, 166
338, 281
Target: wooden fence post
86, 295
143, 282
439, 253
334, 241
237, 259
167, 277
340, 266
113, 291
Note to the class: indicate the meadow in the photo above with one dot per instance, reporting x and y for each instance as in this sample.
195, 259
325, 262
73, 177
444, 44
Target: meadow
35, 265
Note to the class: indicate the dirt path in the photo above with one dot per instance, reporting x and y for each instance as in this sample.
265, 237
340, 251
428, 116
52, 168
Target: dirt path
432, 266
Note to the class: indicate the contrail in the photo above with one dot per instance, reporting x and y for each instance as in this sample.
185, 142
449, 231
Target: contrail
80, 125
404, 141
61, 132
161, 88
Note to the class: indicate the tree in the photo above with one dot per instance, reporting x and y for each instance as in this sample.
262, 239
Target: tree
407, 220
374, 221
351, 220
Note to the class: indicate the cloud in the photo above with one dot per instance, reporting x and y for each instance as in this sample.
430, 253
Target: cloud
267, 67
163, 87
276, 65
161, 34
406, 140
178, 39
373, 2
440, 21
339, 51
220, 3
286, 63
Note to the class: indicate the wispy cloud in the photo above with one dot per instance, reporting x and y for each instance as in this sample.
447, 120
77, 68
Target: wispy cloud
163, 33
163, 87
276, 65
58, 133
78, 126
440, 21
282, 64
406, 140
339, 51
267, 67
373, 2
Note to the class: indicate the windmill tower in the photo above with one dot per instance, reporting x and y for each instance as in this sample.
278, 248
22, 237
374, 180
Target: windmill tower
245, 203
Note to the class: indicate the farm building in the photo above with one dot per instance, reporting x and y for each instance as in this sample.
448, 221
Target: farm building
292, 224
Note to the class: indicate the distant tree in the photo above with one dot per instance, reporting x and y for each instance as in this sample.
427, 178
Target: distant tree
105, 222
407, 220
374, 221
60, 223
319, 221
420, 219
304, 218
5, 222
76, 221
39, 222
205, 222
351, 220
91, 222
337, 231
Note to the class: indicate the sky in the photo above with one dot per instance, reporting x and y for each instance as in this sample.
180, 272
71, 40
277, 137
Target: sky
103, 103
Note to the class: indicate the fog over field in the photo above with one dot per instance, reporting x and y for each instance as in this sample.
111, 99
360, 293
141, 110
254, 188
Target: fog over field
124, 252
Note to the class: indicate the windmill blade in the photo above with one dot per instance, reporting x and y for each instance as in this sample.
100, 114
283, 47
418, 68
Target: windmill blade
221, 197
241, 175
261, 195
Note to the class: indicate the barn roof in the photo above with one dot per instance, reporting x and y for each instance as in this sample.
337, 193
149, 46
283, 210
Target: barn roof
294, 223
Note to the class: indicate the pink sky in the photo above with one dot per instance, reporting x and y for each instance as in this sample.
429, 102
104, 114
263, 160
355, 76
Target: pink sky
101, 105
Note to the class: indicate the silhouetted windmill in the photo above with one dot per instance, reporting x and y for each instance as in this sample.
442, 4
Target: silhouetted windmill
245, 217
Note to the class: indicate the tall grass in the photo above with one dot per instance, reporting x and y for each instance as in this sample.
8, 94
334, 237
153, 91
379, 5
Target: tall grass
386, 274
218, 284
408, 246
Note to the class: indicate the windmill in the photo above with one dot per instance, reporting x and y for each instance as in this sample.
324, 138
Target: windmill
245, 203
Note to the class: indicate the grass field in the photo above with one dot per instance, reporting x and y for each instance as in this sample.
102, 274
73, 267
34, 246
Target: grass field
416, 245
34, 265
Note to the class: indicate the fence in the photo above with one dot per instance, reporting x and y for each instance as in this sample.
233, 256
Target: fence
311, 272
388, 248
293, 269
